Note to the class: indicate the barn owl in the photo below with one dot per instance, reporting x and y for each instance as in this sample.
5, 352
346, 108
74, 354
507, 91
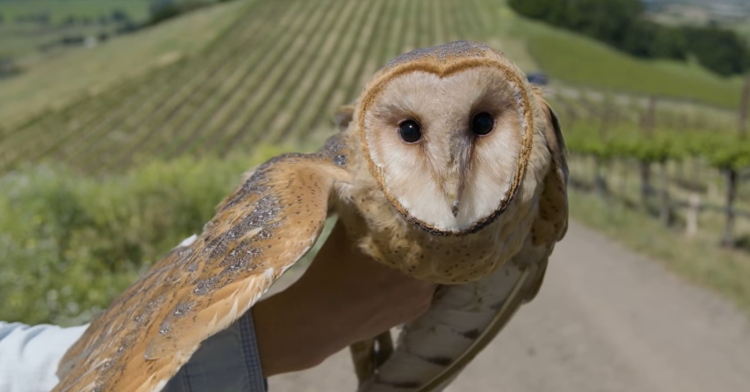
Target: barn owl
449, 166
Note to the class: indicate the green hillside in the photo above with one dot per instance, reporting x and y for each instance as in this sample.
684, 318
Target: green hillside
27, 25
78, 72
581, 61
277, 73
58, 10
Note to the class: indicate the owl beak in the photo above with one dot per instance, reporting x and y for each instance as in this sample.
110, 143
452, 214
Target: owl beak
454, 208
460, 154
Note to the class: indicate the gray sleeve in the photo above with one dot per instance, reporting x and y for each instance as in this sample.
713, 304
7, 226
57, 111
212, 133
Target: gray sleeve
29, 355
228, 361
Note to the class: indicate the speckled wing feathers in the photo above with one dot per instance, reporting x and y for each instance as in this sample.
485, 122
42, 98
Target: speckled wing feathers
552, 223
200, 288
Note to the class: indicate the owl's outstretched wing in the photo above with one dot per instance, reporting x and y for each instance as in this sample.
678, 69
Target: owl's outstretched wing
463, 319
202, 287
551, 222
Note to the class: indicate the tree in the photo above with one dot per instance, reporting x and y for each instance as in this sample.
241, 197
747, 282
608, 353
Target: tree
535, 9
160, 10
119, 16
721, 51
670, 43
69, 20
640, 38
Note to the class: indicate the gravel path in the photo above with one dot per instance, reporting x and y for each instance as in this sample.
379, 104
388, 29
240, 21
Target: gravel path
606, 320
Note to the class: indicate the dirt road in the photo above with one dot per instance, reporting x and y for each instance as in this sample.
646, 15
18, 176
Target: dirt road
606, 320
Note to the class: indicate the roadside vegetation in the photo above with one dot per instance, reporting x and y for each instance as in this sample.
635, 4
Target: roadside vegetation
697, 259
70, 243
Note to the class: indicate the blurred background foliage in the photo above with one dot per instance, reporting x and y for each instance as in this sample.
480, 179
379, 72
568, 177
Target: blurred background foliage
124, 122
69, 243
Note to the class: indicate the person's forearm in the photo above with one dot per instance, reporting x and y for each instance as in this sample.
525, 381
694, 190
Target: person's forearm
343, 297
285, 334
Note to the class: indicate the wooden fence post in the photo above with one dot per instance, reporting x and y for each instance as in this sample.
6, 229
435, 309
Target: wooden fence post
728, 239
647, 125
694, 205
602, 164
665, 212
732, 177
744, 107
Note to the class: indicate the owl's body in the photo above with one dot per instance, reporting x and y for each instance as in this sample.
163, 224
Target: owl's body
449, 167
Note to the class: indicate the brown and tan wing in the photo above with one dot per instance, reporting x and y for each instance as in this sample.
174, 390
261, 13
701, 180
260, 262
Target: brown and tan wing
463, 319
551, 222
200, 288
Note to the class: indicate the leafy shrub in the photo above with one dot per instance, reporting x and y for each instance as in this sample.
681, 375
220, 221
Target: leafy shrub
69, 244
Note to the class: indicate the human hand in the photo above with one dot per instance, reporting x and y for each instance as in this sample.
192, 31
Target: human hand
343, 297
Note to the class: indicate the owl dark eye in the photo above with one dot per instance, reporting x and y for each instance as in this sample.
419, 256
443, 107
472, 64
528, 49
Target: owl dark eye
409, 131
482, 123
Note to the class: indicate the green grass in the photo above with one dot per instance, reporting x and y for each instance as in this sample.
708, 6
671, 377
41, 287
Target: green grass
25, 48
21, 40
54, 83
579, 60
697, 260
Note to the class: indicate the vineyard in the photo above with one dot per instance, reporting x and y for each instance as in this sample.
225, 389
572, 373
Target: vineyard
273, 77
690, 167
62, 76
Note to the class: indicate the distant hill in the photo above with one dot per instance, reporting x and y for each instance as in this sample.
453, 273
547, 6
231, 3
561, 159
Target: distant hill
722, 10
73, 74
702, 3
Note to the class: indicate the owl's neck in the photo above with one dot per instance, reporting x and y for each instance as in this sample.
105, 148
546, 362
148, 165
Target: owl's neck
385, 235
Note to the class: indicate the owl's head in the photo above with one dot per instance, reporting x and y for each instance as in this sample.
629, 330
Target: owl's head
447, 132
